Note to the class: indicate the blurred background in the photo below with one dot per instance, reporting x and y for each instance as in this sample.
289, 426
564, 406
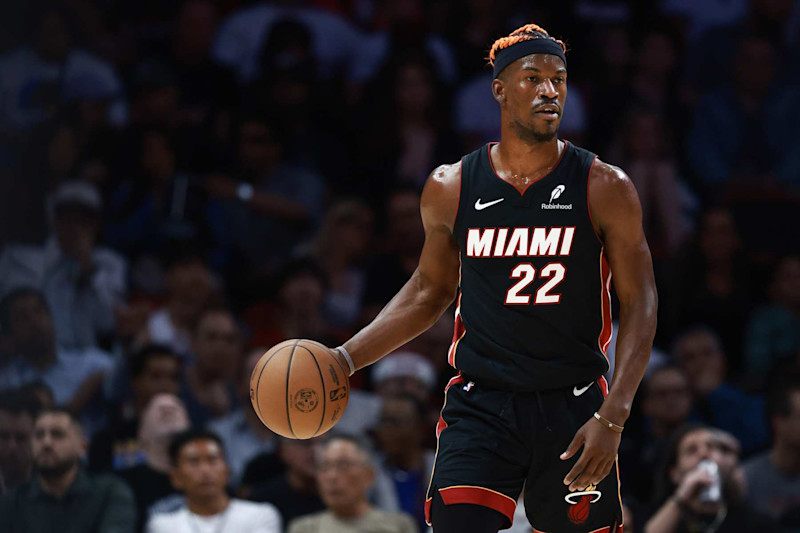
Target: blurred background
186, 183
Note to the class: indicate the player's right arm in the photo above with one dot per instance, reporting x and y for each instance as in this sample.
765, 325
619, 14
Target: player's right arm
433, 285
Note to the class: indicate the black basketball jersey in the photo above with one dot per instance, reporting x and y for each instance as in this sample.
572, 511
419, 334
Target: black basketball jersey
534, 307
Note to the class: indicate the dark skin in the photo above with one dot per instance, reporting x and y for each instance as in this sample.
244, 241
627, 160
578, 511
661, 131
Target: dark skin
531, 93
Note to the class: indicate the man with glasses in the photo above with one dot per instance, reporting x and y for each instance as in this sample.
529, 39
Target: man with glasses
345, 472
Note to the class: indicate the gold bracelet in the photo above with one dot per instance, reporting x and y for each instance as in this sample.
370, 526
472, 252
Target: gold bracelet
608, 423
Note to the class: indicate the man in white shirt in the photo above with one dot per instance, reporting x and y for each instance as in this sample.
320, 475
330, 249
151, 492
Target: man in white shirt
200, 471
84, 283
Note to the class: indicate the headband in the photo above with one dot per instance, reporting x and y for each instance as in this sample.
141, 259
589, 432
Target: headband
536, 45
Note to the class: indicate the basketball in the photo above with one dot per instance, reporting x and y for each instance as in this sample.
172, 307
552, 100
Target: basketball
298, 389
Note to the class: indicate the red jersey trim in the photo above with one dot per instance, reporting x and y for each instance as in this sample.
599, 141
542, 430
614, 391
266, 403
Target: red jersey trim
604, 338
480, 496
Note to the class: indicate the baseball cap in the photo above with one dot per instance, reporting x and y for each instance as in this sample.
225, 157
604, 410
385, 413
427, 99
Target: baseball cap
77, 193
405, 364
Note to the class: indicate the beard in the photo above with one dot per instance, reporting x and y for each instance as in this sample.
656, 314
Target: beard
530, 135
57, 469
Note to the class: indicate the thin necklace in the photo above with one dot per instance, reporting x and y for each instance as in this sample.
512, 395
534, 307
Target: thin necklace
223, 518
721, 515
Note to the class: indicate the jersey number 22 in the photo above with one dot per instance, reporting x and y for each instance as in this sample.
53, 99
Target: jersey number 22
526, 273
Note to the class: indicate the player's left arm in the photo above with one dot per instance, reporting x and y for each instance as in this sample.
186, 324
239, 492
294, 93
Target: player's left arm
617, 218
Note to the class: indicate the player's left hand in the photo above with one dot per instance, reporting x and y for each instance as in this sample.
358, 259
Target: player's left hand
600, 447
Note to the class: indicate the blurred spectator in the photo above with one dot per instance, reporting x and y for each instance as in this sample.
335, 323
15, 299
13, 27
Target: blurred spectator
155, 97
154, 370
711, 57
409, 130
62, 493
38, 76
75, 377
346, 471
157, 205
399, 28
17, 414
189, 287
741, 129
773, 478
241, 431
400, 372
403, 472
267, 200
399, 255
698, 17
716, 401
209, 388
474, 25
773, 334
294, 493
84, 283
207, 89
199, 471
343, 242
654, 83
648, 160
607, 76
163, 418
712, 282
290, 90
295, 310
666, 404
681, 483
404, 373
241, 35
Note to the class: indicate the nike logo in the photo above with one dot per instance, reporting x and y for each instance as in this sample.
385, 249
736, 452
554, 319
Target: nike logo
577, 392
479, 206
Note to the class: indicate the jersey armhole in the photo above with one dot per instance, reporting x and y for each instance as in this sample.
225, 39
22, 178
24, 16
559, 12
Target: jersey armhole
588, 205
461, 193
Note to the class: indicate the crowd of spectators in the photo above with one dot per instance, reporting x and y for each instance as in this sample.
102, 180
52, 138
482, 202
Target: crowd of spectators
189, 182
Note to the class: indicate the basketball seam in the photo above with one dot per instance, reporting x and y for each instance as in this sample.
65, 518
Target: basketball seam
322, 382
261, 373
288, 396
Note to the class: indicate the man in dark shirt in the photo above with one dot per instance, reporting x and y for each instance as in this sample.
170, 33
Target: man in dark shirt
17, 413
62, 497
294, 493
154, 369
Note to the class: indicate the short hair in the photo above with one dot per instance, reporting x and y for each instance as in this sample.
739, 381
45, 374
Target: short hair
146, 353
18, 402
56, 411
299, 267
11, 298
668, 367
215, 310
363, 445
664, 487
695, 330
184, 438
523, 33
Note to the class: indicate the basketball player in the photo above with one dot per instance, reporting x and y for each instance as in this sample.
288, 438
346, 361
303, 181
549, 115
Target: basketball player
527, 232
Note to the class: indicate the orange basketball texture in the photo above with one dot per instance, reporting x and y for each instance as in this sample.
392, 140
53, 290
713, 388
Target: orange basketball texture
298, 389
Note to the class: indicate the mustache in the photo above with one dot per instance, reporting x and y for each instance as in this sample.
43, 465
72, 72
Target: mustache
547, 103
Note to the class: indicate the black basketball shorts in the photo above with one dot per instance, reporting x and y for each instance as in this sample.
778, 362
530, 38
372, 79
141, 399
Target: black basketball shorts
492, 443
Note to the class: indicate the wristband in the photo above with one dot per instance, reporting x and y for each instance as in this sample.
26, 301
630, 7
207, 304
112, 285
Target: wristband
608, 423
342, 350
